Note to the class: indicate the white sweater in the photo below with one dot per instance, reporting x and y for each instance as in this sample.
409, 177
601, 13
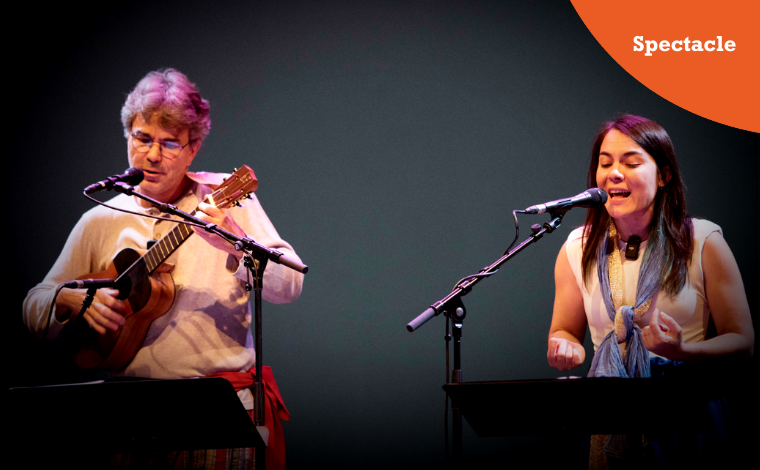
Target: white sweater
207, 328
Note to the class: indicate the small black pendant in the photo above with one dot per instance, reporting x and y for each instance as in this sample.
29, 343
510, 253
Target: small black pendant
632, 248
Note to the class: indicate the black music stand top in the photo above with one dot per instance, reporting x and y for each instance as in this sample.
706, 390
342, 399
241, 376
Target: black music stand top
129, 415
582, 406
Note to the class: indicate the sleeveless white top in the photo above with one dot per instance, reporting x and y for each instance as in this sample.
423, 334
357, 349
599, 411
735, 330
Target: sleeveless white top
689, 308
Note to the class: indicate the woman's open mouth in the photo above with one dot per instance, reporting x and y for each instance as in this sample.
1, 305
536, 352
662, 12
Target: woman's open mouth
618, 193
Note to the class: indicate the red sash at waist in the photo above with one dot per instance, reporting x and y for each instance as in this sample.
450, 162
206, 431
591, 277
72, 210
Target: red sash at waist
273, 407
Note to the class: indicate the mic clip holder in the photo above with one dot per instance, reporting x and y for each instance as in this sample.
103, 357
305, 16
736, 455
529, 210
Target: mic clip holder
88, 298
556, 219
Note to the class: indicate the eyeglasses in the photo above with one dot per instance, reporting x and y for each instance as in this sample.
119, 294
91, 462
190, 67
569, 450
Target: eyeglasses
167, 149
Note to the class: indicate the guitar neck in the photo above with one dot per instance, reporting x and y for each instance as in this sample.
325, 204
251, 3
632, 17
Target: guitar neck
163, 248
234, 188
159, 252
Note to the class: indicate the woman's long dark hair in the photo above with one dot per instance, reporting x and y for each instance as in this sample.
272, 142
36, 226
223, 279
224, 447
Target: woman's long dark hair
671, 227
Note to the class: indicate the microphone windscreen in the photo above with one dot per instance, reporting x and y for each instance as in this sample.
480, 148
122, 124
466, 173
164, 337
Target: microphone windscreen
134, 176
602, 195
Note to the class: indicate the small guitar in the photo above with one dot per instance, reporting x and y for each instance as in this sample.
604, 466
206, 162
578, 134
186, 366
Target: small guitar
146, 286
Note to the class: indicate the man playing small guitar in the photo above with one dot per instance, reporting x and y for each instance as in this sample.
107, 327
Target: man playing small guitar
206, 328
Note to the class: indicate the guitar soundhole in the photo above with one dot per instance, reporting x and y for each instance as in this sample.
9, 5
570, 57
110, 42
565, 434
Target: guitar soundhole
125, 288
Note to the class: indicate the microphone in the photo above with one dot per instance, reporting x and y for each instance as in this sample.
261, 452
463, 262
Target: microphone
88, 283
593, 197
132, 176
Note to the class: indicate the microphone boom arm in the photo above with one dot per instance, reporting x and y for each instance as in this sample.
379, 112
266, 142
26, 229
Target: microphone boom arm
464, 287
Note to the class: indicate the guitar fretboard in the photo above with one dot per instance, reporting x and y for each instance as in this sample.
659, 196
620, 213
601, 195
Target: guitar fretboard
237, 186
166, 246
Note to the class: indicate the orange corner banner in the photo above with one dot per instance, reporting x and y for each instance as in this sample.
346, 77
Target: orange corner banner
703, 56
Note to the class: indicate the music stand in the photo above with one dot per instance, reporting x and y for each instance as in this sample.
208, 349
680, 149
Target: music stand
134, 416
529, 407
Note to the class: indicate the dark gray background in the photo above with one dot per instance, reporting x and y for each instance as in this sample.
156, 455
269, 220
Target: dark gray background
391, 141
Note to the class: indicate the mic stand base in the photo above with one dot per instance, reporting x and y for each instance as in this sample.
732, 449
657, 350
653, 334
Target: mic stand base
456, 313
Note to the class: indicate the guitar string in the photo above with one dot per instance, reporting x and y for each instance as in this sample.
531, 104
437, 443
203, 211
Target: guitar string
240, 181
177, 221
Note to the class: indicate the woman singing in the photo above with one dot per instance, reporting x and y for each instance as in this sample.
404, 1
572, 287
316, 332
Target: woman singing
646, 278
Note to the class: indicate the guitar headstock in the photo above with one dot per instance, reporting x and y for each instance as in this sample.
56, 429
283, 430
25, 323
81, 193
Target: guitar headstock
238, 186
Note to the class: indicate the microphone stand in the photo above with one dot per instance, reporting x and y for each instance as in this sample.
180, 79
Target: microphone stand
88, 298
255, 259
92, 286
453, 308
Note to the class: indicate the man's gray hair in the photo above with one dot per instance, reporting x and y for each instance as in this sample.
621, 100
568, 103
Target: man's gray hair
168, 96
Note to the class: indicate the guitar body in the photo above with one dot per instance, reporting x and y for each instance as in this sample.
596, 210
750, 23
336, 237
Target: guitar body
150, 296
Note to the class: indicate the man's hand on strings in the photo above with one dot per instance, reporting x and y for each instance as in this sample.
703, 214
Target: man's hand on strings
211, 214
106, 312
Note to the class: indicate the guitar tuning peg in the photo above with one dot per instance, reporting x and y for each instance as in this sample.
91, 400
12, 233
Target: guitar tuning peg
235, 170
224, 179
248, 196
235, 204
